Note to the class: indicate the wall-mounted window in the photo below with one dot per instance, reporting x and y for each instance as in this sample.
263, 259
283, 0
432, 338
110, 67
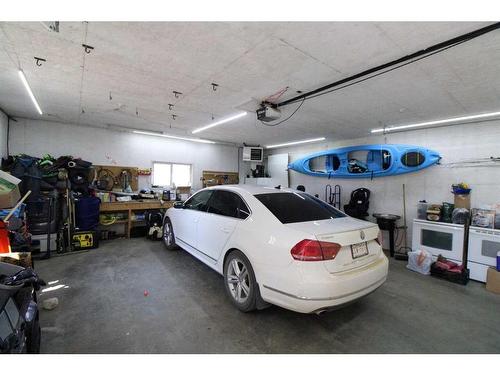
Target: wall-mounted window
167, 174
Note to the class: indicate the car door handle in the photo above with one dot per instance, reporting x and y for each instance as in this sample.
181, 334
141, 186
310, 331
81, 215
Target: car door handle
225, 230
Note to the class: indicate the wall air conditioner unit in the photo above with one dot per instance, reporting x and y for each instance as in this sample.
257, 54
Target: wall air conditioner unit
253, 154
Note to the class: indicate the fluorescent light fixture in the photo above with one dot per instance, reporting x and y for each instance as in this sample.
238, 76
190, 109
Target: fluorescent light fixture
30, 93
220, 122
297, 142
438, 122
173, 136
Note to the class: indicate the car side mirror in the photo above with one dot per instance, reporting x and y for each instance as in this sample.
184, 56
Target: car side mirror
242, 214
178, 204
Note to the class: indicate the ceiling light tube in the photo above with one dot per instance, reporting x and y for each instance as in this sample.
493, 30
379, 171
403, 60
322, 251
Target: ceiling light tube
220, 122
199, 140
297, 142
30, 93
438, 122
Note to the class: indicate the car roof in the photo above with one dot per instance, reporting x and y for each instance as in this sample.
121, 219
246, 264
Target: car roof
252, 189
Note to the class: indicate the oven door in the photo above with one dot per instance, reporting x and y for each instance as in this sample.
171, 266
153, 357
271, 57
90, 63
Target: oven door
483, 247
439, 239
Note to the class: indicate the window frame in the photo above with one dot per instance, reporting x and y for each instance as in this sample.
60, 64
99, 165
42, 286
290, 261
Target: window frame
194, 195
318, 201
247, 211
171, 163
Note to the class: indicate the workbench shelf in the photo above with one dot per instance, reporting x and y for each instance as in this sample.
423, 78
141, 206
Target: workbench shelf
130, 208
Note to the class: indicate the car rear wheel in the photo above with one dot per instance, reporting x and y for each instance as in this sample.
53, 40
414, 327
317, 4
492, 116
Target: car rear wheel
168, 235
240, 283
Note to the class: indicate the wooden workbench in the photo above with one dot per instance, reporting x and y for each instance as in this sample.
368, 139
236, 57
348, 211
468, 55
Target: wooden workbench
130, 207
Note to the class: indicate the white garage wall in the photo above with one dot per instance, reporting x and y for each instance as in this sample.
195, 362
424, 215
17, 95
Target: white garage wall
454, 143
3, 134
100, 146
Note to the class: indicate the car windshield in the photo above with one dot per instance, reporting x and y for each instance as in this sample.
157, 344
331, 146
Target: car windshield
298, 207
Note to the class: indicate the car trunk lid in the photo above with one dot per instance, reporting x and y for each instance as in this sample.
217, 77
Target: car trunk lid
346, 232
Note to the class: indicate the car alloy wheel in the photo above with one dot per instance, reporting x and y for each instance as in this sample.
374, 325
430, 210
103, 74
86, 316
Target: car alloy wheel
238, 281
168, 235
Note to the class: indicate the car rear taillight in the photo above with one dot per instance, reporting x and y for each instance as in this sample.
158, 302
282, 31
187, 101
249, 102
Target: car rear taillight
379, 239
311, 250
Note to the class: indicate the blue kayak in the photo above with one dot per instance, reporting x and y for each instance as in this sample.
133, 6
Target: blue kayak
366, 161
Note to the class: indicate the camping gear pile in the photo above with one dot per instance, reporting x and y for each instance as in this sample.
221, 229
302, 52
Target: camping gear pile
56, 186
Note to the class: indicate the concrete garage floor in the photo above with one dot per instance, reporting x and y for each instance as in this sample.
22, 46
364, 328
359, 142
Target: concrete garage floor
102, 309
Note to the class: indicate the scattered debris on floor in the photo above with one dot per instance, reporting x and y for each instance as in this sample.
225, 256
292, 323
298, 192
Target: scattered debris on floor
50, 303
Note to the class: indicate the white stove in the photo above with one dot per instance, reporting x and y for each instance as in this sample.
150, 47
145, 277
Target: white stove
439, 238
484, 244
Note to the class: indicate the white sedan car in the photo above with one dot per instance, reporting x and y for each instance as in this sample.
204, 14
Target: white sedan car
278, 246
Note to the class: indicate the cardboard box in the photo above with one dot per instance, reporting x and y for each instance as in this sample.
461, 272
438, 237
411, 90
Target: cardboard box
462, 201
493, 280
184, 189
9, 190
17, 259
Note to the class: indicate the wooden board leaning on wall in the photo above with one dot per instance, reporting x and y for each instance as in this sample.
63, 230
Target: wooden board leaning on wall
115, 172
212, 178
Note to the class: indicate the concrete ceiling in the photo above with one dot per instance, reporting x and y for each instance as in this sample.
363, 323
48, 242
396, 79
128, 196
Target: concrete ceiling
140, 64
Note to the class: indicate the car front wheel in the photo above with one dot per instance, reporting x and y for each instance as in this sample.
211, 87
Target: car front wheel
168, 235
34, 339
240, 283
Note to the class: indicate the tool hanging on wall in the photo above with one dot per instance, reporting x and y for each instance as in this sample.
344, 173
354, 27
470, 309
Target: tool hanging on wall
332, 195
125, 179
105, 179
